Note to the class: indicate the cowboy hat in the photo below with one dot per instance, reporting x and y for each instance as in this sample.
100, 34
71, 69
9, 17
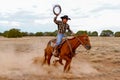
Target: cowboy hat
65, 17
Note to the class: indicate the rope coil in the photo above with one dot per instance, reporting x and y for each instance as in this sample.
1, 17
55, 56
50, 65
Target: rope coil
59, 7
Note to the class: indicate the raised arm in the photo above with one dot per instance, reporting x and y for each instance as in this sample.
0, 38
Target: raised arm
55, 20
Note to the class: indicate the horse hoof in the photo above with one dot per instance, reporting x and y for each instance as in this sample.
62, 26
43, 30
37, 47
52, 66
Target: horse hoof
61, 63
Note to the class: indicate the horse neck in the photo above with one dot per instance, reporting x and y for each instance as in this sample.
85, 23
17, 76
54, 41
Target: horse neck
75, 43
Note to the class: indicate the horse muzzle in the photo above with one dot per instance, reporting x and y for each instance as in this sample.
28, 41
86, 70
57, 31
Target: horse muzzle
88, 47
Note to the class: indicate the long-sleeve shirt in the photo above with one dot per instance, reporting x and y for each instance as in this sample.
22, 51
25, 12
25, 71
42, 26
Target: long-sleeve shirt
62, 27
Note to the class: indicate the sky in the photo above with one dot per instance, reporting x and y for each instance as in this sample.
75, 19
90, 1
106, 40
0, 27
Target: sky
37, 15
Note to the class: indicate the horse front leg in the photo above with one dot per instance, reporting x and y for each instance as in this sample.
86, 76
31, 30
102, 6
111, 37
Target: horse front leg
67, 64
60, 61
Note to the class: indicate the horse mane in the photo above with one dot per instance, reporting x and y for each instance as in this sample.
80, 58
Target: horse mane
81, 35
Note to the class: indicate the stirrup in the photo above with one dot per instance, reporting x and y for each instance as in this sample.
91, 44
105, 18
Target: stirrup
55, 53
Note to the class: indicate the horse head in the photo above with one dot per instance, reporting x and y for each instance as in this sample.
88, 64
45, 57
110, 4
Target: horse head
84, 40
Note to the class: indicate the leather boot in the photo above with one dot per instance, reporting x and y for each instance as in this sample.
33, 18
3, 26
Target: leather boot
55, 51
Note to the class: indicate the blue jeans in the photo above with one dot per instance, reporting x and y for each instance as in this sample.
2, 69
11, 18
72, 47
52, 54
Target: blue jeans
59, 38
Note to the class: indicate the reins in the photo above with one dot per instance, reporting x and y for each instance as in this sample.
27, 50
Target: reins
70, 44
79, 40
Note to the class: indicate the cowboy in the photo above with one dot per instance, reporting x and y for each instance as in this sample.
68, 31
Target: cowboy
62, 27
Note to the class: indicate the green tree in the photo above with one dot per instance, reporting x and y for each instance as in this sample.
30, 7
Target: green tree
12, 33
1, 34
55, 33
38, 34
24, 33
117, 34
94, 33
89, 33
106, 33
81, 32
5, 34
50, 33
31, 34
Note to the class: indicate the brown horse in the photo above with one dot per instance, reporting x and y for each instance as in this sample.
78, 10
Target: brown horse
67, 49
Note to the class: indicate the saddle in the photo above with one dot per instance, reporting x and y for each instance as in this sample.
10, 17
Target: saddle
52, 43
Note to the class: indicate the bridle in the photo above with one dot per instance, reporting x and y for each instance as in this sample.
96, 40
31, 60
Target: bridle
70, 44
86, 46
79, 40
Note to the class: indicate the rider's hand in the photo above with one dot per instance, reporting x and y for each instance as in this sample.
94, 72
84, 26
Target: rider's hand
56, 15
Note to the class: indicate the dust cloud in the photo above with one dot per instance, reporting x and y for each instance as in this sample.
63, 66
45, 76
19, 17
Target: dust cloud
17, 58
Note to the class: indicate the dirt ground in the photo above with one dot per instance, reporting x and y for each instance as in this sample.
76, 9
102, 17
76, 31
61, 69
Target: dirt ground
21, 59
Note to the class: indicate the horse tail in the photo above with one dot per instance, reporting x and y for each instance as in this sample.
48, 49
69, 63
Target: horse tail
45, 57
51, 42
48, 43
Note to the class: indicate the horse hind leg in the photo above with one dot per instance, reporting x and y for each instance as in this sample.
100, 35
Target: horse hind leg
49, 58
